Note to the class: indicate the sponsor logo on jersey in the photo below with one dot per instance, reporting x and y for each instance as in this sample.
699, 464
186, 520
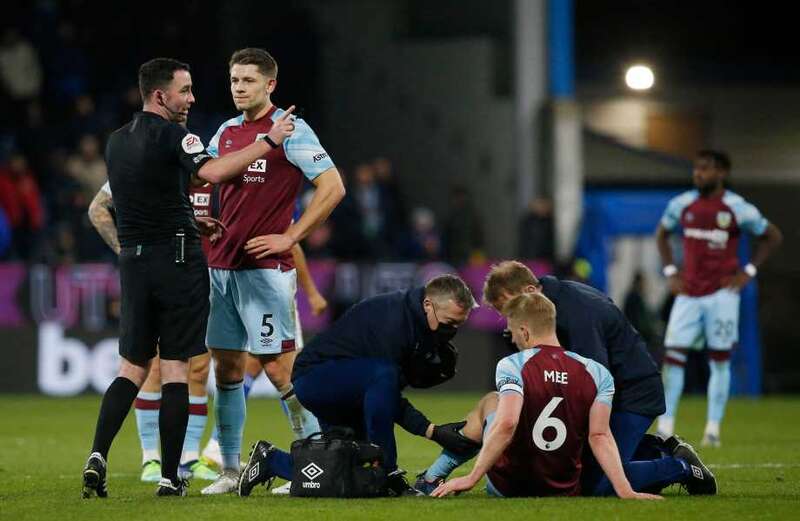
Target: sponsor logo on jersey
320, 157
716, 238
201, 199
259, 165
228, 143
191, 144
254, 179
723, 219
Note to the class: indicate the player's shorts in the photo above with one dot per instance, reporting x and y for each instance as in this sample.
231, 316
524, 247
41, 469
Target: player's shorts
163, 304
711, 320
298, 330
252, 310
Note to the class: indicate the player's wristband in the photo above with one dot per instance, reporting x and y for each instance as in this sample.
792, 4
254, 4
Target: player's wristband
751, 270
269, 141
669, 270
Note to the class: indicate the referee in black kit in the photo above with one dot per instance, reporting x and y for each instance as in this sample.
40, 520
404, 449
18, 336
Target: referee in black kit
151, 162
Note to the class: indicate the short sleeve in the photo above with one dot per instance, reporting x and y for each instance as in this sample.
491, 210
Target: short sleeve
304, 151
604, 382
749, 218
508, 377
191, 153
672, 214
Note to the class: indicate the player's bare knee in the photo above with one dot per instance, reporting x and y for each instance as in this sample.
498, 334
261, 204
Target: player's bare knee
198, 369
174, 371
229, 365
278, 370
135, 372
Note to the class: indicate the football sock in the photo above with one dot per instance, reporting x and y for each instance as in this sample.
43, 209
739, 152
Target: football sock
444, 465
719, 385
116, 403
673, 387
231, 409
644, 475
280, 464
303, 423
146, 408
198, 416
172, 420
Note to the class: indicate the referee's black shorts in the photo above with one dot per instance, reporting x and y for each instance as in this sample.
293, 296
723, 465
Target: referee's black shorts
164, 304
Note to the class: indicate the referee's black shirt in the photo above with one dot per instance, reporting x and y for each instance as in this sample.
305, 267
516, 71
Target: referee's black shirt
150, 165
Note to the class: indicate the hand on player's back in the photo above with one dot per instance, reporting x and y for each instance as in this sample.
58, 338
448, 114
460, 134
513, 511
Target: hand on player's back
283, 127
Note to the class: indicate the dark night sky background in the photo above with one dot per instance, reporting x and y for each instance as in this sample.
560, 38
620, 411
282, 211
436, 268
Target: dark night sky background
689, 42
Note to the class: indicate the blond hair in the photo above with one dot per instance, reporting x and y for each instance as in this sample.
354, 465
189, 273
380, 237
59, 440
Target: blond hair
507, 277
534, 310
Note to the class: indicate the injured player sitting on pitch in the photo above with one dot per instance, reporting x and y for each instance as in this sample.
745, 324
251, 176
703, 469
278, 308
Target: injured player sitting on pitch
549, 402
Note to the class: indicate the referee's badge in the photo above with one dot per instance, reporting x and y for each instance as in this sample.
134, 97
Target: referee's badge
723, 219
192, 144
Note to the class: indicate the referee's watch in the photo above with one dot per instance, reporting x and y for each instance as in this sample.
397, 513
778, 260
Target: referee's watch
269, 141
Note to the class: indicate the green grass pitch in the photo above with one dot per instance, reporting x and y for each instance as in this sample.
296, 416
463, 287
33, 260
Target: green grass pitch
44, 444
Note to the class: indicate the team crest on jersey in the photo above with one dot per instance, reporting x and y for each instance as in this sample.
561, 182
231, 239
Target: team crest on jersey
259, 165
723, 219
689, 217
191, 144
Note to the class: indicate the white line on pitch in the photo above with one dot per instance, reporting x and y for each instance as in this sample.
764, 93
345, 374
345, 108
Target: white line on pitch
754, 465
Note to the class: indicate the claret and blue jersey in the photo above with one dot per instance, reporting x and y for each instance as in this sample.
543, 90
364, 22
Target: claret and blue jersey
559, 388
262, 200
711, 229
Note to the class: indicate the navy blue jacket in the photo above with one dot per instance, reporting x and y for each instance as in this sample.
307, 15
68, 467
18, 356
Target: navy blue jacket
588, 323
389, 326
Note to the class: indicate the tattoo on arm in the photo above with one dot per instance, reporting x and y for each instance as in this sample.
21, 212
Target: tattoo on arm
103, 221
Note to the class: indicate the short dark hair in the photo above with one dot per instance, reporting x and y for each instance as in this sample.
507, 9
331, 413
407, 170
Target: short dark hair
157, 73
259, 57
720, 159
450, 287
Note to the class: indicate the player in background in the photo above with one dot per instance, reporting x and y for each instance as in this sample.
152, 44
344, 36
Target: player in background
549, 403
148, 401
253, 277
706, 310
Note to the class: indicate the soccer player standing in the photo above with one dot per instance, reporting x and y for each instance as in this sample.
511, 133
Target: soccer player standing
707, 304
151, 162
253, 277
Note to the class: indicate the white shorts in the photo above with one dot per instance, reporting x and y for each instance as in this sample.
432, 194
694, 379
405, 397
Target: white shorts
252, 310
711, 320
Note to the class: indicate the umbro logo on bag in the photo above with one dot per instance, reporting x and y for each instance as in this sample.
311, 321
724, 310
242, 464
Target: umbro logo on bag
312, 471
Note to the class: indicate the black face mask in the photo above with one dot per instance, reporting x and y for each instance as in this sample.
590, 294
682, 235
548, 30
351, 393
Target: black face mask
445, 333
